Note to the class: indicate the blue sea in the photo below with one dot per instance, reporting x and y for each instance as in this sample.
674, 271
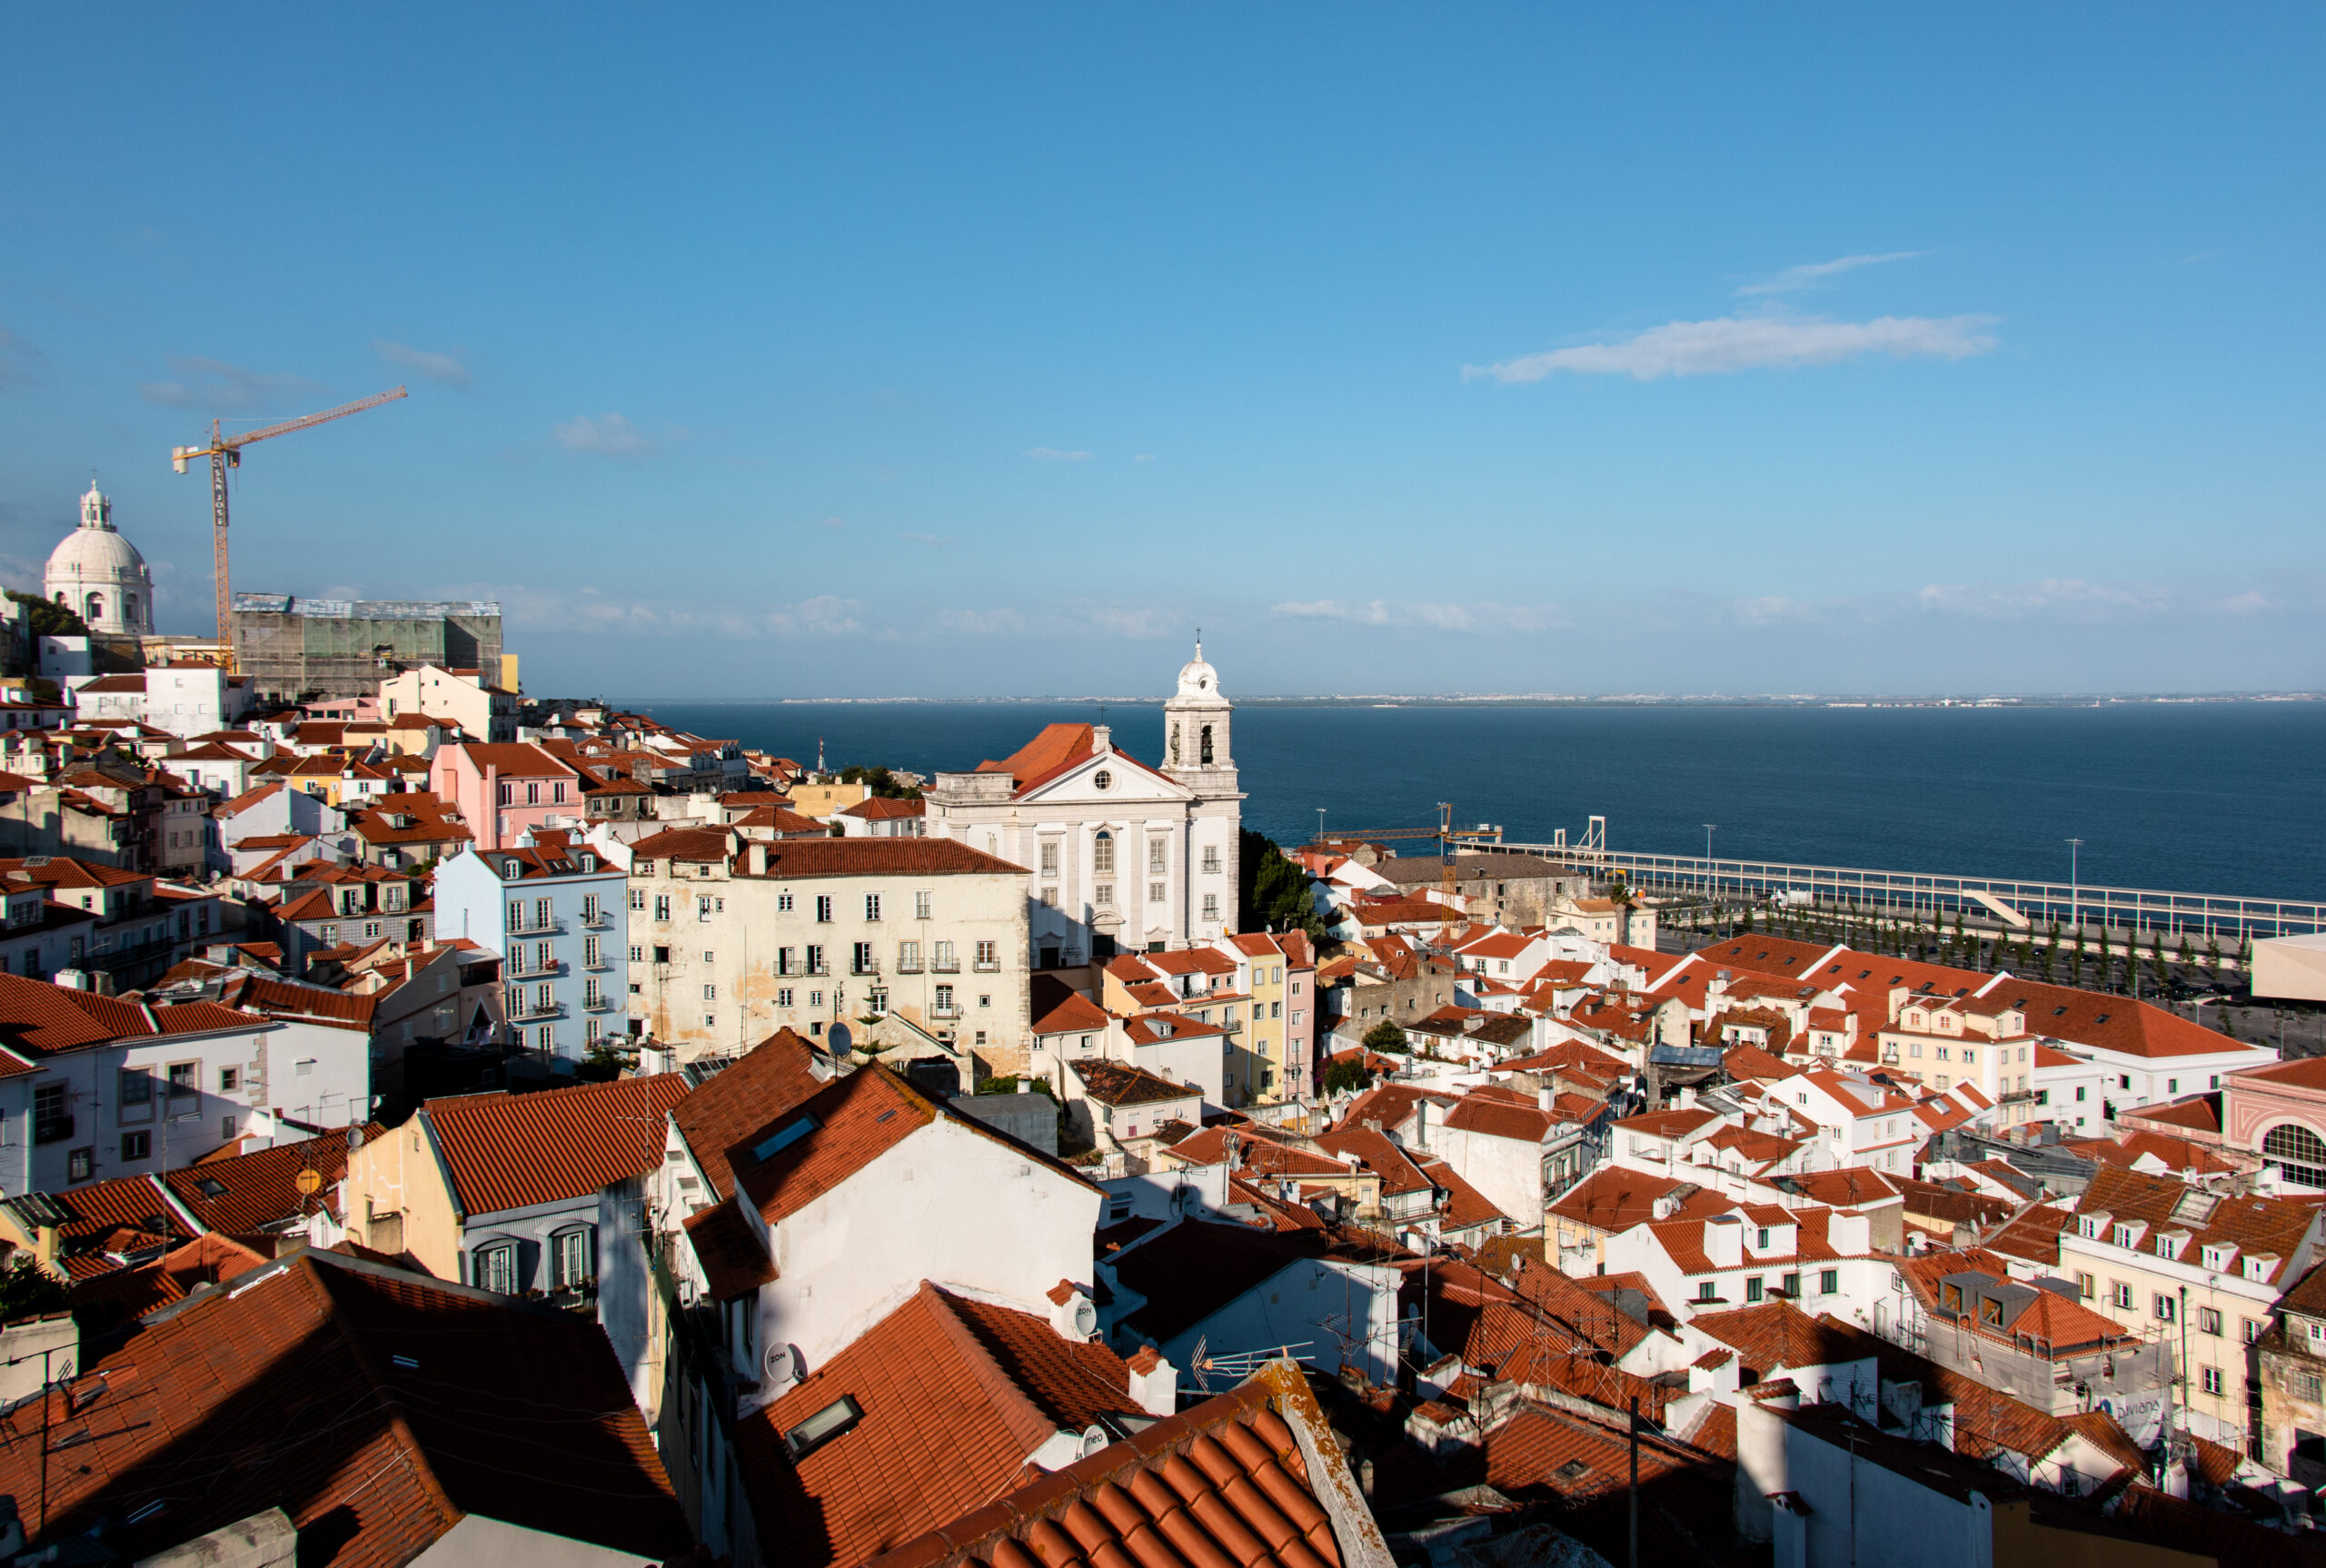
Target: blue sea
2215, 797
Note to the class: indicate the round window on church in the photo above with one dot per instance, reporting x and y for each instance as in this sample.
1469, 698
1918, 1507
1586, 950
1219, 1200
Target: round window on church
1102, 779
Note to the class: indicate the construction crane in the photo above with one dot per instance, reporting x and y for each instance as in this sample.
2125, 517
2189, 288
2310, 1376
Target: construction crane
225, 451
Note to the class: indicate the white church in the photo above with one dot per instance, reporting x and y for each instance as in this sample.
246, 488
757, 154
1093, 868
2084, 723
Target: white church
99, 575
1121, 856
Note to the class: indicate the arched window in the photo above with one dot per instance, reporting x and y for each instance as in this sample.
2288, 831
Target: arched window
1204, 755
129, 609
494, 1268
2299, 1154
1102, 853
96, 611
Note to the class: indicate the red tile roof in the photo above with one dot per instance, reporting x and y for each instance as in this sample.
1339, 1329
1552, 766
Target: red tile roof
258, 1192
954, 1397
742, 1103
419, 1403
1226, 1482
1780, 1335
510, 1151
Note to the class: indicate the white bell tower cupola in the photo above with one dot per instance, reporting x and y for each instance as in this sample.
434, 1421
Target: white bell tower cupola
1197, 730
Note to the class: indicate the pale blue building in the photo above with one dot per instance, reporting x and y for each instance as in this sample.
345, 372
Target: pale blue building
557, 916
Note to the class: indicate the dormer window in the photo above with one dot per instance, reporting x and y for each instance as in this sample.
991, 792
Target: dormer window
510, 869
589, 862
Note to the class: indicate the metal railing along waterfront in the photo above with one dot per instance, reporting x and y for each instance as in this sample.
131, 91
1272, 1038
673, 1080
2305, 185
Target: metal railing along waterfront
2015, 901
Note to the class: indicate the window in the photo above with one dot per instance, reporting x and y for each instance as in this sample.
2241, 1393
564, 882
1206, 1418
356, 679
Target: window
783, 996
832, 1421
2162, 1307
871, 905
662, 954
137, 1087
2209, 1321
2296, 1152
945, 1001
2084, 1286
591, 952
2209, 1379
592, 995
2123, 1292
703, 906
1049, 897
543, 914
182, 1081
1102, 853
1103, 895
861, 961
80, 1165
1049, 858
227, 1129
495, 1269
711, 993
2254, 1327
1829, 1281
136, 1147
1753, 1288
1791, 1285
1211, 859
816, 959
824, 909
989, 955
1705, 1289
589, 909
569, 1259
1102, 779
908, 958
783, 903
638, 898
661, 906
921, 904
229, 1080
941, 957
1211, 905
1761, 1239
1158, 892
1154, 854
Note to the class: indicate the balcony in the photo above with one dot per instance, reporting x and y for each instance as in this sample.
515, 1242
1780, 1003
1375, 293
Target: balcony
987, 966
2021, 1098
945, 1010
598, 1004
908, 966
537, 927
518, 971
532, 1012
597, 920
946, 966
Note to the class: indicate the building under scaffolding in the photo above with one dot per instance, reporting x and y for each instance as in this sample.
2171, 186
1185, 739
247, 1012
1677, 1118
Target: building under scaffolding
294, 648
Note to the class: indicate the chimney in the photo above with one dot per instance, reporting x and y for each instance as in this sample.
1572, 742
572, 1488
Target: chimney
1102, 738
1725, 1241
757, 862
1154, 1382
1545, 1096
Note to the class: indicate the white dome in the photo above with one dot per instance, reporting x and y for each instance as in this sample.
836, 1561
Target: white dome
94, 568
1196, 678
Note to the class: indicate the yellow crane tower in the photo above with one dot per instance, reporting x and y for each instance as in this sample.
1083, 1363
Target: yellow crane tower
225, 451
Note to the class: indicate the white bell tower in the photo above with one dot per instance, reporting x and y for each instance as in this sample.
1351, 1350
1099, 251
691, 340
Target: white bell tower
1198, 725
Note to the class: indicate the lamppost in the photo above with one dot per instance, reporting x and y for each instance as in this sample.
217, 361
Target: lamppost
1320, 824
2075, 911
1708, 866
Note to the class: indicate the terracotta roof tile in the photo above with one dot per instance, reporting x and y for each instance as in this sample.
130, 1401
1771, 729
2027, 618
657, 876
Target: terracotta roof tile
510, 1151
744, 1101
260, 1191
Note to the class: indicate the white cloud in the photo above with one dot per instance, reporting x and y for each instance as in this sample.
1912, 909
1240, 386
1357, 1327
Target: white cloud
831, 523
1052, 454
437, 367
1465, 618
220, 387
826, 615
1142, 457
610, 435
1763, 611
1732, 343
1003, 622
933, 541
1816, 274
1139, 625
2052, 598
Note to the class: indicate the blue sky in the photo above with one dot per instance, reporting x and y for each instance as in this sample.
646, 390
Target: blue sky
952, 351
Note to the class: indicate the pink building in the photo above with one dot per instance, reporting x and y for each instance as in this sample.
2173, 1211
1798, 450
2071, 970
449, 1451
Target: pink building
2278, 1112
504, 792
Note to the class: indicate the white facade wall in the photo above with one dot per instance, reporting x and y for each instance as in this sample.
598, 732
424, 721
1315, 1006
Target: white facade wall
1315, 1306
310, 1072
1508, 1172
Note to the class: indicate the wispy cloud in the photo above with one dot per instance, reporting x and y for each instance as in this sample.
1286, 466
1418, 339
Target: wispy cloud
609, 435
831, 523
825, 615
1727, 344
1436, 616
1052, 454
1142, 457
1138, 624
1002, 622
2052, 597
445, 368
1817, 274
933, 541
220, 387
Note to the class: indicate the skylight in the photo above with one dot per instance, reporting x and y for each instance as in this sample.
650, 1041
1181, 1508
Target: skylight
784, 1138
832, 1421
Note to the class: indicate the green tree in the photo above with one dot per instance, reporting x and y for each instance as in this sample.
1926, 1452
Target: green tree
1348, 1073
26, 1289
1387, 1037
2051, 954
47, 618
2212, 955
1272, 892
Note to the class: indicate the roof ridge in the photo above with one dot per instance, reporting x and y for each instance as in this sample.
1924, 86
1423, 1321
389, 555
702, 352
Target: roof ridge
1015, 1406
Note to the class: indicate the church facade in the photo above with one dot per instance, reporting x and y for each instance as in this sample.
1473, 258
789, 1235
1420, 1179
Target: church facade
1120, 855
100, 576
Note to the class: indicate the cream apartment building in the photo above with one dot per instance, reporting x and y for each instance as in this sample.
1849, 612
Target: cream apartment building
731, 938
2191, 1269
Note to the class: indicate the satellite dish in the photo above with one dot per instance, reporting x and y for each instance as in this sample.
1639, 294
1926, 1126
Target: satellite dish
309, 1182
1086, 1317
782, 1364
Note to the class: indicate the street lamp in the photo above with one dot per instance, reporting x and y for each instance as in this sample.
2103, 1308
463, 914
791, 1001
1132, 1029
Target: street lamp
1320, 824
2075, 912
1708, 867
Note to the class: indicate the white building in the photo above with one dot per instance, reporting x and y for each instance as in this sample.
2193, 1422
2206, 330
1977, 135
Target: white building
99, 575
1820, 1259
1122, 856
